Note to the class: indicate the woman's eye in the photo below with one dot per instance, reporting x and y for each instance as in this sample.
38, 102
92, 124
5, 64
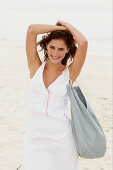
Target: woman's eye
52, 47
61, 49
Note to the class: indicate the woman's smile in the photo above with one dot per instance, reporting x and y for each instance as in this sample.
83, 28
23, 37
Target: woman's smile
55, 58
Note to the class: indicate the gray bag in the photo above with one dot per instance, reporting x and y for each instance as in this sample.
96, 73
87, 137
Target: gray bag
88, 134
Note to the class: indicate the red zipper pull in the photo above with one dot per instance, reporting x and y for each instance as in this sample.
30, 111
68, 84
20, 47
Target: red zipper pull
47, 103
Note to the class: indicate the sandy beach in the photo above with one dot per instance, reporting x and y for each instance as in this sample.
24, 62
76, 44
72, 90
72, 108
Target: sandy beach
95, 81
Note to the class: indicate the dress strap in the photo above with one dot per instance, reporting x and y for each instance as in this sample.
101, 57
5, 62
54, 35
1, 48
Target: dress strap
67, 72
66, 76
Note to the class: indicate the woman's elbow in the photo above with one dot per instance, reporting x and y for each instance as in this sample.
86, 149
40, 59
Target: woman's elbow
30, 28
84, 43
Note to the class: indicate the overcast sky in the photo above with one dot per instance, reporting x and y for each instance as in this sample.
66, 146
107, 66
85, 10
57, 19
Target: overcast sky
79, 6
93, 17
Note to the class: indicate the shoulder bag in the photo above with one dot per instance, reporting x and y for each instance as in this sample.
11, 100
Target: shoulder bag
88, 134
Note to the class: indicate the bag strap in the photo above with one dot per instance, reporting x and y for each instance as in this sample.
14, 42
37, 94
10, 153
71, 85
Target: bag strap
67, 79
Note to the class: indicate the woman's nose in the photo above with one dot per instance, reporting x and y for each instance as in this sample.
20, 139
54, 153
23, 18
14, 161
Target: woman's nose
55, 53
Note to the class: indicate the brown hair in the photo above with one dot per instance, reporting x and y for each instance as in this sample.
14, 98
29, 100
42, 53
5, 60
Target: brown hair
59, 34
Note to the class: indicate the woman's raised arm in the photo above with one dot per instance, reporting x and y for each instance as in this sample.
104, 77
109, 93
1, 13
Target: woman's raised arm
80, 55
44, 28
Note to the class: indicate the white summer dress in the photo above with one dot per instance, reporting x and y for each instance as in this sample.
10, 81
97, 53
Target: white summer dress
48, 140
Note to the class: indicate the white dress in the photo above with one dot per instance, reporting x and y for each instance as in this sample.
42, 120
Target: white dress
48, 140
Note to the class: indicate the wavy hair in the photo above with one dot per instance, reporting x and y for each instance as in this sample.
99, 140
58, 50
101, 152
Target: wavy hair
59, 34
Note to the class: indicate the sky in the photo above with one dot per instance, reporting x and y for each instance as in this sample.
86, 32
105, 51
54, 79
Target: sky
92, 17
79, 6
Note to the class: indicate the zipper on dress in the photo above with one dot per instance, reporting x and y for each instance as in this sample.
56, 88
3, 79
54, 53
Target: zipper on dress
47, 102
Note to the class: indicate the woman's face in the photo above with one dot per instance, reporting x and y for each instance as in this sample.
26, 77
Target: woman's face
56, 50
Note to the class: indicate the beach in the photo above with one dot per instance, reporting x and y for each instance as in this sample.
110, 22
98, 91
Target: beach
95, 81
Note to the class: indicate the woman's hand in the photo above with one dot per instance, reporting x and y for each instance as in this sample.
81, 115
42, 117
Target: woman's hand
66, 25
63, 23
77, 35
61, 27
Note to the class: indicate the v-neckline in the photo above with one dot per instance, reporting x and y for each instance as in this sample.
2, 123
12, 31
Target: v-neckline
53, 81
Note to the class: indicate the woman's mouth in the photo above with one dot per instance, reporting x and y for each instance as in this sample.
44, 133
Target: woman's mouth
55, 58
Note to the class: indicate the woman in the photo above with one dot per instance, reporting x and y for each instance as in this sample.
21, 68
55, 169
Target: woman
49, 143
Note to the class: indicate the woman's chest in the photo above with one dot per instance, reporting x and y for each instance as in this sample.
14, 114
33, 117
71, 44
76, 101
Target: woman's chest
57, 88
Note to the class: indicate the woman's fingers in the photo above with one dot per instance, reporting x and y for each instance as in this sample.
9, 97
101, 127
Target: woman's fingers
61, 23
58, 23
62, 27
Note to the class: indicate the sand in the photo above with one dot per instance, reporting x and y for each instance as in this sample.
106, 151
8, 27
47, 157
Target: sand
95, 81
